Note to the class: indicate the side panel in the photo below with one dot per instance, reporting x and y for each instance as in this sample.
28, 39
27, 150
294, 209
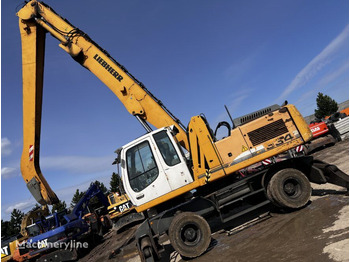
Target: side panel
299, 121
267, 135
233, 147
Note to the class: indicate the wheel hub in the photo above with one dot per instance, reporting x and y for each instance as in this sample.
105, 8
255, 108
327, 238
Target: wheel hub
190, 234
289, 188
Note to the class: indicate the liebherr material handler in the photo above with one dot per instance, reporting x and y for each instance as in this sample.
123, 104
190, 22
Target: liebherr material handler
176, 192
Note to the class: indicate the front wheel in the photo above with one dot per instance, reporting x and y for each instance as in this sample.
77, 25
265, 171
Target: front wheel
289, 188
189, 234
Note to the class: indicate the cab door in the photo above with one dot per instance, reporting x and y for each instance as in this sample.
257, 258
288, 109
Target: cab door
172, 160
142, 172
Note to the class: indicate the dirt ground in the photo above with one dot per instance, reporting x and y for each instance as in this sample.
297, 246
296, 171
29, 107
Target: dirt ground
318, 232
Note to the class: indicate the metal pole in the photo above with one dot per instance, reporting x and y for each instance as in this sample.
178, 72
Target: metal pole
233, 124
144, 124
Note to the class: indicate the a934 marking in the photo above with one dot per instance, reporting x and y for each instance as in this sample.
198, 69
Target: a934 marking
280, 141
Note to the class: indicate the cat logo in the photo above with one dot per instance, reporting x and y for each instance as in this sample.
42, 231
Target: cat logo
42, 243
4, 251
124, 207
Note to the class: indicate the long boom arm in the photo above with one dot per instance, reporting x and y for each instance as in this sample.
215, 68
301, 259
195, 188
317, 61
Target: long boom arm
35, 19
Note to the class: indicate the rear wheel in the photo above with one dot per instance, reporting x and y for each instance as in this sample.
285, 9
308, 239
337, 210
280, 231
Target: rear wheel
189, 234
270, 197
289, 188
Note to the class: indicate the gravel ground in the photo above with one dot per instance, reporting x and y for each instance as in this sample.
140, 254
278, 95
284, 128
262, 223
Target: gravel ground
318, 232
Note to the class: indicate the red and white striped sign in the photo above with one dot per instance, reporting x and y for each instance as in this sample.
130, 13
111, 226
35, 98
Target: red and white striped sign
299, 149
31, 153
267, 162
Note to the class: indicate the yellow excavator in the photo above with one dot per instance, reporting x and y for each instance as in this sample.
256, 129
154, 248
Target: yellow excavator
8, 246
35, 20
33, 43
178, 175
121, 211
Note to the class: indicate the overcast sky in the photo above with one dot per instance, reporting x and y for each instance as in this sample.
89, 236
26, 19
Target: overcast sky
196, 56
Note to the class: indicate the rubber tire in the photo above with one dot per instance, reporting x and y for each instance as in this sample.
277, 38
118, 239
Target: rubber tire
269, 196
179, 222
299, 198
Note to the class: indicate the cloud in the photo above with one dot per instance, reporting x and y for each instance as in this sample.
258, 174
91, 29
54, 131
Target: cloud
5, 146
237, 69
243, 66
78, 164
316, 64
333, 75
23, 205
328, 79
238, 97
67, 193
236, 100
8, 172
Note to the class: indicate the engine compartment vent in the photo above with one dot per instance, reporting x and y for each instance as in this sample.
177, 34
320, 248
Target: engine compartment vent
250, 117
267, 132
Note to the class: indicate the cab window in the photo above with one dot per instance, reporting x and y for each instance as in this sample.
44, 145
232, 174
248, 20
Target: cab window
141, 166
166, 148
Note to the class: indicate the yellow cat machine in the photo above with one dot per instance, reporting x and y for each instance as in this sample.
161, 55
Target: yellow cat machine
33, 216
122, 212
8, 247
179, 193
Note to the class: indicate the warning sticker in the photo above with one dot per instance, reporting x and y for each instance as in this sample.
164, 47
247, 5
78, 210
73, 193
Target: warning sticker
244, 148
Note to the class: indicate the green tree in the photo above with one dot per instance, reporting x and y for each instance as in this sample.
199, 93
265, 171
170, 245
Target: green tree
12, 227
325, 106
115, 183
16, 220
77, 196
60, 206
95, 202
102, 187
6, 229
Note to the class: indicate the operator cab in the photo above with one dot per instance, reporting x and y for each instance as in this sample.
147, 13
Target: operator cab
153, 165
33, 230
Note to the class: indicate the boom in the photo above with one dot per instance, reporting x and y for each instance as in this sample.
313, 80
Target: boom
35, 19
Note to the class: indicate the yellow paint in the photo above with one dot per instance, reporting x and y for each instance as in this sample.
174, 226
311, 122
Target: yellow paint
119, 200
135, 98
220, 157
244, 148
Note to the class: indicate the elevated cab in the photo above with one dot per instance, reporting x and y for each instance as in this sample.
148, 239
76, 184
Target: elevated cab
153, 165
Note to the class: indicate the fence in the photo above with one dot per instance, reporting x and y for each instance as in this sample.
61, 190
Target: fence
343, 127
